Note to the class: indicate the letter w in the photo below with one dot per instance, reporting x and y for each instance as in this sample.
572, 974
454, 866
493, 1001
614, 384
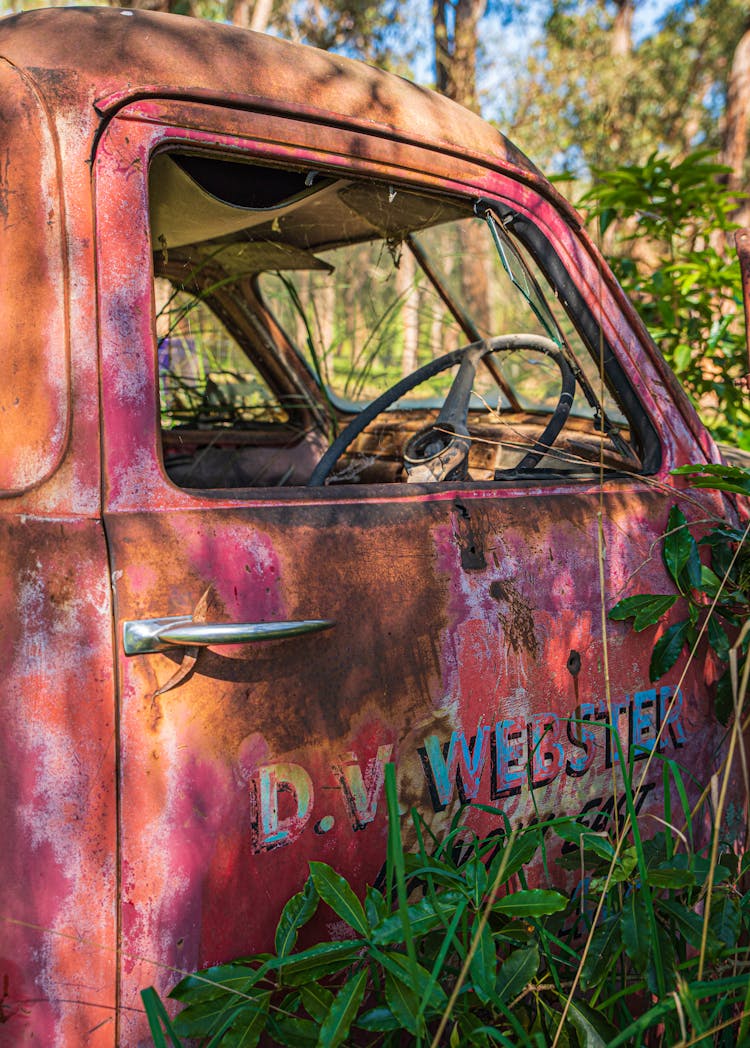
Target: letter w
455, 762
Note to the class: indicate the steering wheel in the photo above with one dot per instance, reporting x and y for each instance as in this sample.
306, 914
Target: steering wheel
441, 451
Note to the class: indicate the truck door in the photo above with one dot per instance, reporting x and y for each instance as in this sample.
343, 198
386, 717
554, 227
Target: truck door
279, 643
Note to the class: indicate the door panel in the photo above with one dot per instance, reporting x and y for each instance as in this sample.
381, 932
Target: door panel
269, 755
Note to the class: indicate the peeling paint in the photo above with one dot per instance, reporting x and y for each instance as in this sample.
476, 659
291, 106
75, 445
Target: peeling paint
467, 645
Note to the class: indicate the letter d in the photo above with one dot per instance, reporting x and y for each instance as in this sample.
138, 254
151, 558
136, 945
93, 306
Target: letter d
271, 780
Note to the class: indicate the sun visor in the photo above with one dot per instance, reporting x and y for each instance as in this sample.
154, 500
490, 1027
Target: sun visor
395, 213
183, 210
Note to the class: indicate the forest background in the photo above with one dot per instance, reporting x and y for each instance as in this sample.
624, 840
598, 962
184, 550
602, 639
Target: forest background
639, 108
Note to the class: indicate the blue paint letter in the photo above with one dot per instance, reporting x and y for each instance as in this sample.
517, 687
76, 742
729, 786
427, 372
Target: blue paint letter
643, 734
670, 714
581, 735
547, 755
455, 763
509, 757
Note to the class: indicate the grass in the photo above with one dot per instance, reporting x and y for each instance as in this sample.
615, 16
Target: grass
459, 950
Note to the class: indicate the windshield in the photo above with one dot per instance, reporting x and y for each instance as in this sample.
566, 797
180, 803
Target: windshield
381, 308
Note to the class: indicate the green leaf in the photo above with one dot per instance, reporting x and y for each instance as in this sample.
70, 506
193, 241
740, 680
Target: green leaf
214, 982
292, 1032
516, 973
413, 974
667, 877
335, 1028
718, 639
607, 215
645, 609
553, 1022
718, 477
688, 923
605, 942
422, 918
513, 856
246, 1028
336, 892
665, 946
710, 581
681, 554
636, 929
578, 833
591, 1026
158, 1020
725, 920
316, 1000
483, 966
667, 649
297, 912
204, 1018
532, 902
379, 1020
376, 908
475, 877
402, 1001
700, 867
323, 959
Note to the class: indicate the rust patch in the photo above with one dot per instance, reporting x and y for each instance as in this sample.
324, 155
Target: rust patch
517, 618
470, 541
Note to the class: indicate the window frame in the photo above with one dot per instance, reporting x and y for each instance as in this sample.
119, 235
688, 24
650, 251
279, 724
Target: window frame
469, 180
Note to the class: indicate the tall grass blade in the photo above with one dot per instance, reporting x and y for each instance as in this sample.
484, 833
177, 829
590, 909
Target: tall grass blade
396, 864
158, 1020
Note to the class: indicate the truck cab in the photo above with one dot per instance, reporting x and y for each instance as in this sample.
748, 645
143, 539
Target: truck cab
327, 441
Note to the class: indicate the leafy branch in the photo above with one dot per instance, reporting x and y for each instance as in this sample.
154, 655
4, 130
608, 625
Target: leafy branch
715, 598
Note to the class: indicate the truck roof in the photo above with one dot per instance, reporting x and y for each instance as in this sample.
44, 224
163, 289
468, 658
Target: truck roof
95, 59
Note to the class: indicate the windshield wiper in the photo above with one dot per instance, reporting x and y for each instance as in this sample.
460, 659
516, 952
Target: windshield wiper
522, 278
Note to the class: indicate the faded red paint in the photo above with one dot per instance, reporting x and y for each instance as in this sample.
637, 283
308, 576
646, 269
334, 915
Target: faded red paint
158, 833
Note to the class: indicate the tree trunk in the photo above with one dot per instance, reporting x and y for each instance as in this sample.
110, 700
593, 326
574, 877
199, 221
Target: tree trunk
261, 14
734, 151
622, 29
456, 63
409, 295
456, 48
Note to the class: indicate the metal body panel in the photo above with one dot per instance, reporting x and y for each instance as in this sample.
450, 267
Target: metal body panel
86, 57
457, 608
456, 622
58, 936
35, 406
57, 773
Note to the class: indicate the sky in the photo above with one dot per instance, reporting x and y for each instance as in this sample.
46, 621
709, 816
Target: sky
514, 39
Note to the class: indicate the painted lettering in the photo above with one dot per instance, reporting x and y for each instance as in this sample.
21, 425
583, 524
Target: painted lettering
270, 782
508, 757
459, 762
670, 718
644, 729
583, 738
534, 752
524, 753
361, 792
547, 756
613, 717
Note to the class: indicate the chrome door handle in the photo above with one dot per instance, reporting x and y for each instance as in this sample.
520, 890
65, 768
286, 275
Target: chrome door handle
142, 636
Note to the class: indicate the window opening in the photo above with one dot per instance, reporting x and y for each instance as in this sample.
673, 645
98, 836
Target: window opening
288, 301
